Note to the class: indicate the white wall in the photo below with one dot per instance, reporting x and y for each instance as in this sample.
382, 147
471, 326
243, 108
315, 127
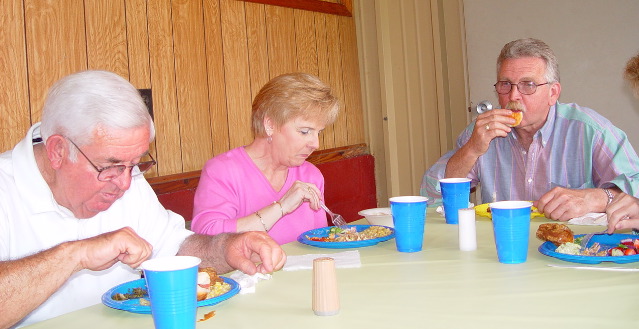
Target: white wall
592, 39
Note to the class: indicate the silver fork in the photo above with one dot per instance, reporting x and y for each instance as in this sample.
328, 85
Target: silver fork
337, 219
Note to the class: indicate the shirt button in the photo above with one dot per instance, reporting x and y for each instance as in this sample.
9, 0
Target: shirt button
529, 180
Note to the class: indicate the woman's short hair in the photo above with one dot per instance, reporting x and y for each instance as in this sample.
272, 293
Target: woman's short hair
80, 103
530, 47
290, 96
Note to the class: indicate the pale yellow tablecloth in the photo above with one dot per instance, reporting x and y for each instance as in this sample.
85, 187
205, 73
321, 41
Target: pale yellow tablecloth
439, 287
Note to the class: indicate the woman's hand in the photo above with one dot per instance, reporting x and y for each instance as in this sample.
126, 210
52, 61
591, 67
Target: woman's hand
299, 193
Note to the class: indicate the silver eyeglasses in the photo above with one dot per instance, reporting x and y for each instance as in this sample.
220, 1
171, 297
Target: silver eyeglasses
112, 172
524, 87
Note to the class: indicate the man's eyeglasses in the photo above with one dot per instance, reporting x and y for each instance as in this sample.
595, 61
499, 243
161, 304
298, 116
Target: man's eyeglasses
524, 87
112, 172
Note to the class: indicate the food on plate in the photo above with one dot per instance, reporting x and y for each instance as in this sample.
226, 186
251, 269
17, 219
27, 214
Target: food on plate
338, 234
569, 248
209, 284
556, 233
484, 210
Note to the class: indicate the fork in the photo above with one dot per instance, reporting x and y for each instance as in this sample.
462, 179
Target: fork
337, 219
587, 237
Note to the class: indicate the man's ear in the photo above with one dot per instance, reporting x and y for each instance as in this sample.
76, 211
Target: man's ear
555, 91
57, 150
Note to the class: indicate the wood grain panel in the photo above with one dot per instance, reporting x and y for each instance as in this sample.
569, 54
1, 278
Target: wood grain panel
161, 54
257, 46
191, 83
327, 138
305, 41
238, 89
350, 75
106, 36
215, 74
281, 40
334, 51
138, 44
14, 95
56, 45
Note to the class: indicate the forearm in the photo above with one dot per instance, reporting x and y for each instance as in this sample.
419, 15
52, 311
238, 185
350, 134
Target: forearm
262, 220
210, 249
21, 290
460, 164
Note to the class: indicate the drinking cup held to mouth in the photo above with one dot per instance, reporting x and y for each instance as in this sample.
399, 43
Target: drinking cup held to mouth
455, 195
511, 226
172, 285
409, 219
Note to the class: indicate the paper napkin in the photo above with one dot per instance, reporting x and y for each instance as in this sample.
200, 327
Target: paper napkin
345, 259
593, 218
248, 282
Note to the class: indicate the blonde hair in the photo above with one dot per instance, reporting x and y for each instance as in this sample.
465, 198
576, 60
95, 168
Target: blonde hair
631, 74
290, 96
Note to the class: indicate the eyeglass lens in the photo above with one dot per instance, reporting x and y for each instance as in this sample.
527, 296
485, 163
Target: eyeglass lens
113, 172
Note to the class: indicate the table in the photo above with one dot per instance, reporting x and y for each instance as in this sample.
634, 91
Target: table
439, 287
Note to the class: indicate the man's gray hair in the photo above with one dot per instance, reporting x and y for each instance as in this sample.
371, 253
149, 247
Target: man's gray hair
530, 47
80, 103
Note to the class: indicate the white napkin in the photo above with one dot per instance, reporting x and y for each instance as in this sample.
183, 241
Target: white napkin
592, 218
248, 282
345, 259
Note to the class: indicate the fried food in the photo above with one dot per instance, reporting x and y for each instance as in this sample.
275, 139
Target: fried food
206, 279
555, 233
518, 112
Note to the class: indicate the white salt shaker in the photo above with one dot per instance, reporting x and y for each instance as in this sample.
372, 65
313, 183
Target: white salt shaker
325, 295
467, 230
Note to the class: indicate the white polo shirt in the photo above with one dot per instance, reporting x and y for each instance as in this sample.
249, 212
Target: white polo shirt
31, 221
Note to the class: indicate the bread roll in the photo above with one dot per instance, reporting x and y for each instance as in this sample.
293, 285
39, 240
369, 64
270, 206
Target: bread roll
556, 233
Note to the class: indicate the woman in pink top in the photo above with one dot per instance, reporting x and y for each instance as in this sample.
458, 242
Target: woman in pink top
268, 185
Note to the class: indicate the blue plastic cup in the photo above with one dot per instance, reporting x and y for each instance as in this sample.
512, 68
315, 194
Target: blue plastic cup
409, 220
511, 225
455, 195
172, 285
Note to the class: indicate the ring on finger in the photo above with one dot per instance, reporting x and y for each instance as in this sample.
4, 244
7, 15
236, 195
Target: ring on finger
487, 127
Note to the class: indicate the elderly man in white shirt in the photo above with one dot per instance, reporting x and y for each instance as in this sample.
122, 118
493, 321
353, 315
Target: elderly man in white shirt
76, 215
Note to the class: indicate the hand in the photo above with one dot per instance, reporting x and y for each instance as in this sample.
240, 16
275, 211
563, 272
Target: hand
488, 126
623, 213
564, 204
102, 251
298, 193
243, 251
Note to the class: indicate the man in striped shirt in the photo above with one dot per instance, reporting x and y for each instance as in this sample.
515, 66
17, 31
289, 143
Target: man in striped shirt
566, 158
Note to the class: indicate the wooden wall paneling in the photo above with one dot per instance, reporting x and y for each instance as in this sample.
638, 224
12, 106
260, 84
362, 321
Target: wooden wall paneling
334, 51
327, 138
56, 45
168, 148
14, 94
257, 46
281, 40
191, 83
236, 72
137, 36
215, 75
306, 41
350, 75
106, 36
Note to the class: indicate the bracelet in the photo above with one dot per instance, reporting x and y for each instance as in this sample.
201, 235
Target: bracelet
281, 208
609, 194
261, 220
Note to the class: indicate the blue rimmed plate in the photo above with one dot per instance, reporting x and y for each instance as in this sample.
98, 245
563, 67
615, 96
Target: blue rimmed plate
323, 232
133, 305
606, 241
